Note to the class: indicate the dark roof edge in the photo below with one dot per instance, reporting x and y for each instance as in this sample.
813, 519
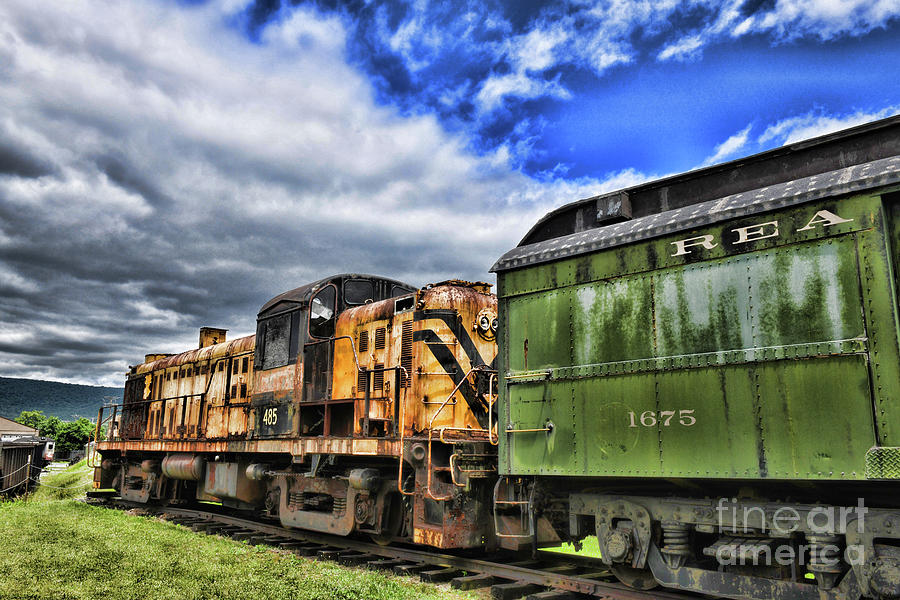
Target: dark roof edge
301, 295
879, 173
722, 167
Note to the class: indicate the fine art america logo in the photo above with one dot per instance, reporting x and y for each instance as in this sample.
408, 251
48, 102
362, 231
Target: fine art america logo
825, 522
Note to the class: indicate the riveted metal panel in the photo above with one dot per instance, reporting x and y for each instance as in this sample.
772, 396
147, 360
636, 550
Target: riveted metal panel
880, 309
534, 407
703, 308
609, 321
606, 442
763, 334
883, 463
816, 417
707, 423
541, 335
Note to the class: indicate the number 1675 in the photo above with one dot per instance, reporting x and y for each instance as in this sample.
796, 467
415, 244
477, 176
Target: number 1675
651, 418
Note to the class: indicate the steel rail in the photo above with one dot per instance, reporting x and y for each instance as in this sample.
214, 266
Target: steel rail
606, 589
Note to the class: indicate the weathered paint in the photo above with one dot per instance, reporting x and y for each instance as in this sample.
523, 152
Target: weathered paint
444, 344
289, 419
762, 341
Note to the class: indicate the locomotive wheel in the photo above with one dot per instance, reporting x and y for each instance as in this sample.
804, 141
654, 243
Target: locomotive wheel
639, 579
382, 539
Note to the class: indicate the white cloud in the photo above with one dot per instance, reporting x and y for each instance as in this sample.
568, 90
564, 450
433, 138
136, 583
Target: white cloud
173, 175
683, 49
536, 50
813, 124
791, 130
520, 85
827, 18
730, 147
786, 20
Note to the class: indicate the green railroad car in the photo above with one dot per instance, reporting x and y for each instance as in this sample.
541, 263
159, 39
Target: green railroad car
704, 372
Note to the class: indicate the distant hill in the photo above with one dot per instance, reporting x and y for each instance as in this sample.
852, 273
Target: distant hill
64, 400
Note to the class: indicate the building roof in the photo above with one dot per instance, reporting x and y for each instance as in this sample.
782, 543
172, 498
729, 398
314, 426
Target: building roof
8, 426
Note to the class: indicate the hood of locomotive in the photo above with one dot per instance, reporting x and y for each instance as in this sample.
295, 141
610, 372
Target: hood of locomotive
420, 350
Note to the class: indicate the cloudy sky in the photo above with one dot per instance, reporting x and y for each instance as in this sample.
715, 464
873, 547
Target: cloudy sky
169, 165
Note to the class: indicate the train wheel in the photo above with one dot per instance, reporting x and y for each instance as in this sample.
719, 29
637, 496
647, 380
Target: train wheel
639, 579
382, 539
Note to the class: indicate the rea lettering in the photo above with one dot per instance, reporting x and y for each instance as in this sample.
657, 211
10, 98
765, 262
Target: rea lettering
756, 232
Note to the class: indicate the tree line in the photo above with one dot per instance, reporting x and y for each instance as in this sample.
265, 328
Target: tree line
69, 435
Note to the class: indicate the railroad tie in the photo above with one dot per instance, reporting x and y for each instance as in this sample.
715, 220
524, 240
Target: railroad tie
351, 559
553, 595
472, 582
439, 575
410, 569
221, 529
385, 564
307, 549
291, 545
514, 590
329, 553
274, 540
257, 539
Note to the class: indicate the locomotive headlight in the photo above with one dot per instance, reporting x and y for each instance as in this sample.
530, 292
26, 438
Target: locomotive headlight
486, 324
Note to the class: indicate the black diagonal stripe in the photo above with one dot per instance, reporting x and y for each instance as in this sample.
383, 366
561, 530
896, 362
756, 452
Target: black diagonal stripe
448, 362
451, 319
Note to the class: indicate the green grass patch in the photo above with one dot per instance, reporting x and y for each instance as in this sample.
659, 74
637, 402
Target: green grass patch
589, 548
68, 550
73, 482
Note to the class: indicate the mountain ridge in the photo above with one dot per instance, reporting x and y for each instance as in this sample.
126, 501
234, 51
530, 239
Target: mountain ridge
68, 401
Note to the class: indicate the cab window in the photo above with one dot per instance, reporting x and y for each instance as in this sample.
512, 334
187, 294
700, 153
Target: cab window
321, 313
276, 341
358, 291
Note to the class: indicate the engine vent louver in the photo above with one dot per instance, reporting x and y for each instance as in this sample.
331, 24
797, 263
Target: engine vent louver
406, 358
378, 379
363, 341
361, 381
380, 338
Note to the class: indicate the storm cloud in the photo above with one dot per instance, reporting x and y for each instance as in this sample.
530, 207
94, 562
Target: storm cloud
169, 165
159, 172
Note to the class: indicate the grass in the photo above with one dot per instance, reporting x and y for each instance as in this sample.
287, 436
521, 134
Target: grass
70, 483
589, 548
64, 549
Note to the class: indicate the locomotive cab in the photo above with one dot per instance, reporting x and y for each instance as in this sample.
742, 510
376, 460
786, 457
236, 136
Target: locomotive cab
294, 351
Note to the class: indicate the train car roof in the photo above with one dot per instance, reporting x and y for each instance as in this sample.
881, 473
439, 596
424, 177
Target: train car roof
302, 294
215, 351
839, 163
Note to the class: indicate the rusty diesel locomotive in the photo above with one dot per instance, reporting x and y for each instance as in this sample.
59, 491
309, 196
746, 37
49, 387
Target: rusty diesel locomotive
361, 406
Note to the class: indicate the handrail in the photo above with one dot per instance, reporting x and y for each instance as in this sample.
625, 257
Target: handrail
334, 339
492, 401
402, 428
96, 435
428, 492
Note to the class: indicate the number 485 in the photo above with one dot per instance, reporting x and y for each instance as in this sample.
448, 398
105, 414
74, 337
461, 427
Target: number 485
650, 418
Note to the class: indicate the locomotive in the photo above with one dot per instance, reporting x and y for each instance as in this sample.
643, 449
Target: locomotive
361, 405
704, 372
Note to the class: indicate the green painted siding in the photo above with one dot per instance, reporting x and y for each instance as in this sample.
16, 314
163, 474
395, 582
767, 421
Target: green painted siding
728, 362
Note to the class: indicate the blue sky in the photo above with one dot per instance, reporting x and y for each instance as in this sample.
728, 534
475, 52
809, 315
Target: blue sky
168, 165
583, 89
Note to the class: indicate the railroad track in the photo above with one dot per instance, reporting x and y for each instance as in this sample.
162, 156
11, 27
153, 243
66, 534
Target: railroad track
510, 577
